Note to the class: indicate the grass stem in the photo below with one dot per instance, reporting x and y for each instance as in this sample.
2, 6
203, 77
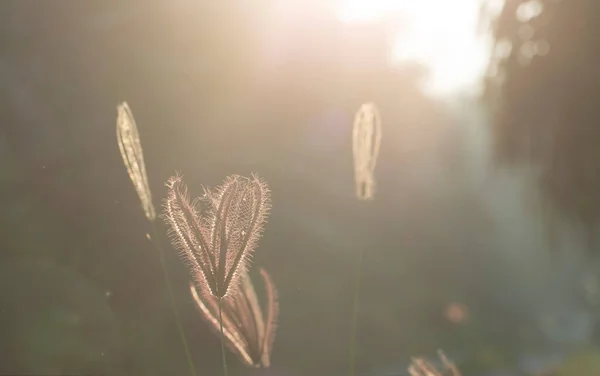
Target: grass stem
186, 348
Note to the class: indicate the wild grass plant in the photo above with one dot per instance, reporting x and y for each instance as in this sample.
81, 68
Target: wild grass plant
216, 234
130, 146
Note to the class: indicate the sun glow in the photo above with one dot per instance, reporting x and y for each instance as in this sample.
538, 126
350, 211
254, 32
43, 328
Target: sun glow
439, 34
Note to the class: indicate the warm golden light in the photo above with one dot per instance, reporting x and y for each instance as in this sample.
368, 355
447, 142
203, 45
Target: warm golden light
440, 34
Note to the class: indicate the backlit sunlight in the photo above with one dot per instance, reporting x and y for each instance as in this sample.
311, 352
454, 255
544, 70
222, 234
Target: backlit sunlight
439, 34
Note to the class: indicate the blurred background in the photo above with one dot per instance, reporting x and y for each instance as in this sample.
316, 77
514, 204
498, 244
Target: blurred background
481, 239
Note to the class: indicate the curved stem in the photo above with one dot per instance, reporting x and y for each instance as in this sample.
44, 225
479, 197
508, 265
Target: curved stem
222, 342
173, 303
355, 310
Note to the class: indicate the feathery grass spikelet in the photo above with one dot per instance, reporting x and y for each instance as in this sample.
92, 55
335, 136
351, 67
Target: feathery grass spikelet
366, 138
247, 333
217, 242
128, 139
421, 367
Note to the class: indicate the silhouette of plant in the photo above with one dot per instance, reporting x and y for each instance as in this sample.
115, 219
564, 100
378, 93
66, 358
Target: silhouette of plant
216, 241
248, 334
130, 146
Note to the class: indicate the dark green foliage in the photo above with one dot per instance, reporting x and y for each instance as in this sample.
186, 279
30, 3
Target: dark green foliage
548, 111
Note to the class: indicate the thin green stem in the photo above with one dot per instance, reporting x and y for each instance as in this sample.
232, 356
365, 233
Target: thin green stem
355, 312
222, 342
186, 348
